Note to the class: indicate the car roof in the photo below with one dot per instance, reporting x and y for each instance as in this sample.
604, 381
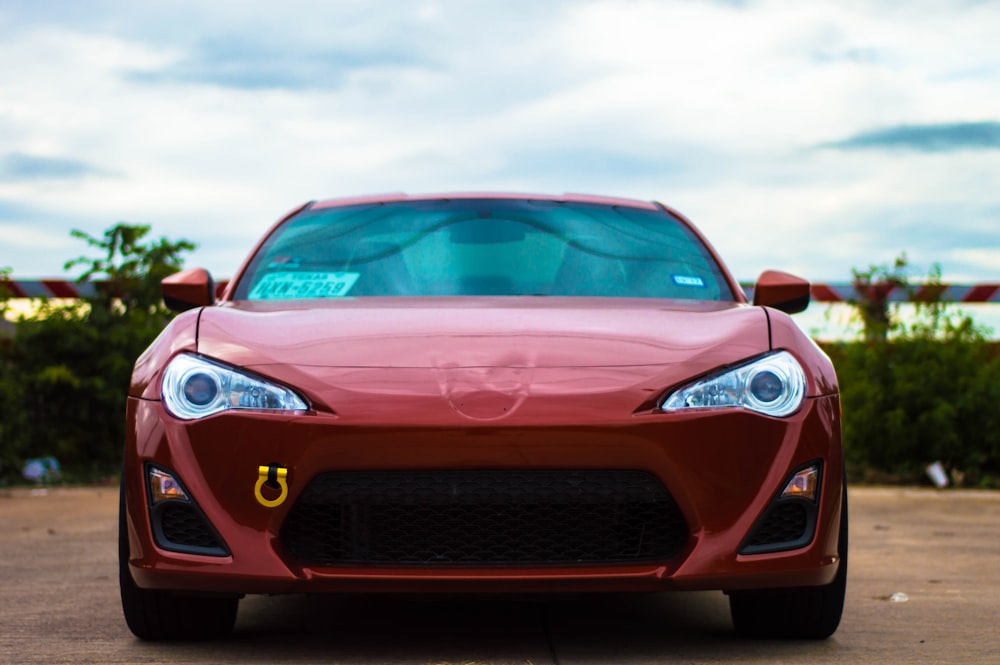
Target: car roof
400, 196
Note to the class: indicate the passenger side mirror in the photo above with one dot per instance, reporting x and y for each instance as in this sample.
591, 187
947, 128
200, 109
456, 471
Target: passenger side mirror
781, 291
188, 289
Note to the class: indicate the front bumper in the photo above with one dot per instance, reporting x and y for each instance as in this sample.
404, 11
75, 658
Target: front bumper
722, 469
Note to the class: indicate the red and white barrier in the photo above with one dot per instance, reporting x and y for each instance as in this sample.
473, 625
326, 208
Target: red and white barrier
832, 292
959, 293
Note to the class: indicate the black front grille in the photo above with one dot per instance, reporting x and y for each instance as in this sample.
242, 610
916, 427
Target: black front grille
787, 525
180, 527
491, 518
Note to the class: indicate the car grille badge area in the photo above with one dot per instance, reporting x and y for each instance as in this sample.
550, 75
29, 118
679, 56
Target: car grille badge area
484, 393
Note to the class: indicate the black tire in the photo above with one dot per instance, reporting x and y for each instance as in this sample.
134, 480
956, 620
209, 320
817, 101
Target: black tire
811, 613
163, 615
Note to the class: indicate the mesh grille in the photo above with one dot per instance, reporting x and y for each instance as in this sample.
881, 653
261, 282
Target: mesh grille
785, 523
442, 518
183, 526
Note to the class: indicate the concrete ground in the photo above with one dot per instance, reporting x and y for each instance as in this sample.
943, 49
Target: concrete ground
924, 587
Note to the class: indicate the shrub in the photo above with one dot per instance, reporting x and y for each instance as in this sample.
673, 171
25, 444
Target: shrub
64, 376
917, 392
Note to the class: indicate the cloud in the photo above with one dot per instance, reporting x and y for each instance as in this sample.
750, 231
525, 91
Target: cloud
33, 241
215, 118
927, 138
858, 55
922, 226
238, 63
602, 164
17, 166
15, 210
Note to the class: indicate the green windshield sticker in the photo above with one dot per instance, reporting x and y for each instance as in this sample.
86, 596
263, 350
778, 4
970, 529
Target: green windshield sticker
293, 285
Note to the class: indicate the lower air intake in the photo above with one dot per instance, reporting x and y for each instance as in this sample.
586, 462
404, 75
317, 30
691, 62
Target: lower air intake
180, 527
788, 524
484, 518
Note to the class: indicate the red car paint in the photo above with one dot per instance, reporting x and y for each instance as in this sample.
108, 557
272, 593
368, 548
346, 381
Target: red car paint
483, 383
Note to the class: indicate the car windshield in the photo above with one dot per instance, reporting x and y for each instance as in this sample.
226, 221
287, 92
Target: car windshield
483, 247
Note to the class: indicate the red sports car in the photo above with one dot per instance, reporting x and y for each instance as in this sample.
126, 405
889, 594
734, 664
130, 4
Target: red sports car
483, 393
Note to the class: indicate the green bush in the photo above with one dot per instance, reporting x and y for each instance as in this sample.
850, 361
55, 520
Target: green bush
64, 375
918, 392
909, 402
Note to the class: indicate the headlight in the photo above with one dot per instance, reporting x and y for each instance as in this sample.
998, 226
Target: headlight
194, 387
774, 385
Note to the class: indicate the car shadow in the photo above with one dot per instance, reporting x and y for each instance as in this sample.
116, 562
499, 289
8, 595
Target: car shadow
593, 628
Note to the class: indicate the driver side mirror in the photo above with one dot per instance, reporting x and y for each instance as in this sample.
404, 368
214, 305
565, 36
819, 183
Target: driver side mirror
188, 289
781, 291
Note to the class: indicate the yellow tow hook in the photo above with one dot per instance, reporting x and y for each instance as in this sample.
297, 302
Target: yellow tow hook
275, 477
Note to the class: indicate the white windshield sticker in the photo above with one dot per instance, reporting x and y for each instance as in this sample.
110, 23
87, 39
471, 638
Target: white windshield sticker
289, 285
688, 280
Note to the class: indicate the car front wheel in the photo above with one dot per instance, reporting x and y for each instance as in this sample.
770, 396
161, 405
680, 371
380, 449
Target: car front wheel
807, 613
153, 614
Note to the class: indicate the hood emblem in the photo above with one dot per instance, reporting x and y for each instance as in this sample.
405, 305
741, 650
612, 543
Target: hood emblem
484, 393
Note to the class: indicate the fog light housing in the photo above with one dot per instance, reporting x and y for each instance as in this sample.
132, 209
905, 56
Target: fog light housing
177, 523
803, 484
164, 487
789, 521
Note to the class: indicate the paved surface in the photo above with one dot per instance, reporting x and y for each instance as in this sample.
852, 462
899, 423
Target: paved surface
942, 550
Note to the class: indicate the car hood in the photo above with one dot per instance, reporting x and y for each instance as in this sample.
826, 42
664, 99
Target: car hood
480, 332
485, 356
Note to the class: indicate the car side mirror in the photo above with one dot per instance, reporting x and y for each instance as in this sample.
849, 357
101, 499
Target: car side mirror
188, 289
781, 291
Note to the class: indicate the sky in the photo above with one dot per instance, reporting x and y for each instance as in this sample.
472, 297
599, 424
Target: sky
811, 137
